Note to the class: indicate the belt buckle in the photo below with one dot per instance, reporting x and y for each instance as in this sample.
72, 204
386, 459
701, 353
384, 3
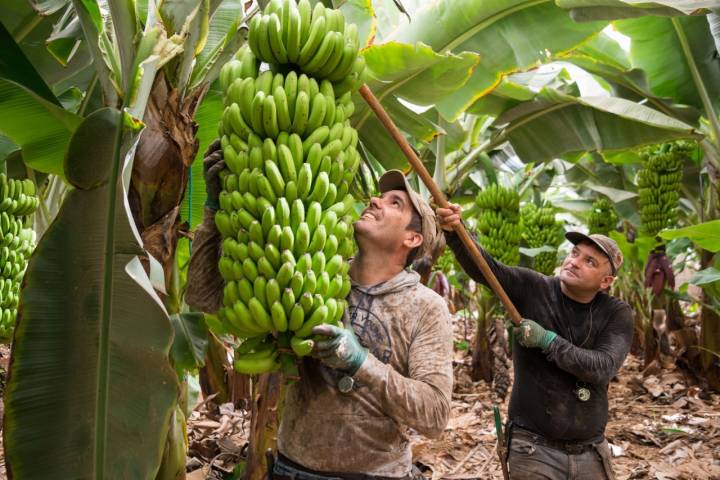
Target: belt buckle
574, 448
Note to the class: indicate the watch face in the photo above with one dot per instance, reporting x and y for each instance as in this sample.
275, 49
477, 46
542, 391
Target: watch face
345, 384
583, 394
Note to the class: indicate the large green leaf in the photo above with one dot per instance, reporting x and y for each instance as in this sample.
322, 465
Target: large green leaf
509, 36
554, 124
670, 74
90, 391
584, 10
603, 57
15, 66
705, 235
42, 129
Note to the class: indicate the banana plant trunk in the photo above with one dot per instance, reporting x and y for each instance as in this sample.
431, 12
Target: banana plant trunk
710, 336
268, 395
167, 148
481, 367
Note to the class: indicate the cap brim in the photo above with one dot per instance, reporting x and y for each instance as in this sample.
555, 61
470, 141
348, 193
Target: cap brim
396, 180
577, 237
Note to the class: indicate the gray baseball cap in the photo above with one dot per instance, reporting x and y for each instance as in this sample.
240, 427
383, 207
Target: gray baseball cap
606, 245
432, 235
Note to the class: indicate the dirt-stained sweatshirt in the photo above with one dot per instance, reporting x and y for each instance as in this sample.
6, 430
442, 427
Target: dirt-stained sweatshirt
405, 382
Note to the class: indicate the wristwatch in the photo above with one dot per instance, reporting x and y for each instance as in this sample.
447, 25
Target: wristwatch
345, 384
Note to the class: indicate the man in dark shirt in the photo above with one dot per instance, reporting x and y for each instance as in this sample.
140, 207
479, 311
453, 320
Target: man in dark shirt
573, 339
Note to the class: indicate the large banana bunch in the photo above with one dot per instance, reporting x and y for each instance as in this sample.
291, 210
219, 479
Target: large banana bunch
659, 183
499, 223
540, 229
602, 218
17, 200
285, 207
315, 41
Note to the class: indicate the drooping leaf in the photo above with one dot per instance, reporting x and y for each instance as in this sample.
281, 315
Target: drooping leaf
362, 14
705, 235
509, 36
669, 74
706, 276
603, 57
614, 194
15, 66
554, 124
91, 390
42, 129
585, 10
190, 341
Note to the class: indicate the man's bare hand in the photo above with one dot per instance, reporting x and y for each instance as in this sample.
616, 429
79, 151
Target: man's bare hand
449, 218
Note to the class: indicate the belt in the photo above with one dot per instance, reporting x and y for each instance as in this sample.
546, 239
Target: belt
571, 448
286, 469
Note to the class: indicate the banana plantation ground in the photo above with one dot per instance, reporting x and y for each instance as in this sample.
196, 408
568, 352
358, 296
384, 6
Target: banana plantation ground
662, 426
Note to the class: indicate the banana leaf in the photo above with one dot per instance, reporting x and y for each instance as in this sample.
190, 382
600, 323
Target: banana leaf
509, 36
586, 10
686, 44
42, 129
554, 124
91, 391
603, 57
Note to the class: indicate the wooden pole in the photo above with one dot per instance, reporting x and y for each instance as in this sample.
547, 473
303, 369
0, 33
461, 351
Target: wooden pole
440, 200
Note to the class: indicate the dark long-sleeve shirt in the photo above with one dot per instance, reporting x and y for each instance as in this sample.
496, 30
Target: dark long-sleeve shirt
593, 340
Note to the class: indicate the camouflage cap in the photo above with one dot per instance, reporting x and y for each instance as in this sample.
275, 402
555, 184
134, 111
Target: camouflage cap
432, 235
606, 244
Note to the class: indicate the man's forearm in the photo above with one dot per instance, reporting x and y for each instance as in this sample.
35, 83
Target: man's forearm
417, 404
593, 366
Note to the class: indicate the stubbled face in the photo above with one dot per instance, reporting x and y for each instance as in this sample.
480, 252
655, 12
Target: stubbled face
383, 224
586, 268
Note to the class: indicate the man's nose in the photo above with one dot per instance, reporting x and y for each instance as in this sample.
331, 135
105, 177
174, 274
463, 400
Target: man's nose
375, 202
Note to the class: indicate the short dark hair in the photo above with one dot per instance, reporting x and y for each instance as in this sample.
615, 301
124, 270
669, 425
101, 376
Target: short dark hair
414, 225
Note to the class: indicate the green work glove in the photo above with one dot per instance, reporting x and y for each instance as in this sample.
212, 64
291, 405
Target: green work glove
341, 351
532, 335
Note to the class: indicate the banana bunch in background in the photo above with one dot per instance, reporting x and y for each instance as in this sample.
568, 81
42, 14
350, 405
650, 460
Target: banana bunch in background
602, 218
285, 207
498, 223
659, 183
316, 41
539, 229
17, 200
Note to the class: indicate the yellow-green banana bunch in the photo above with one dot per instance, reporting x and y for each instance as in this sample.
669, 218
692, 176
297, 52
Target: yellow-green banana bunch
17, 199
540, 229
499, 223
602, 218
290, 155
659, 183
316, 41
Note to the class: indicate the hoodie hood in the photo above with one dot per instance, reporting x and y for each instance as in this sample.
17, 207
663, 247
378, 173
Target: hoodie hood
401, 281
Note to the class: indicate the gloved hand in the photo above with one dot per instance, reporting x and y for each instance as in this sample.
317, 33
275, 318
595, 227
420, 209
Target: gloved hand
213, 163
532, 335
342, 351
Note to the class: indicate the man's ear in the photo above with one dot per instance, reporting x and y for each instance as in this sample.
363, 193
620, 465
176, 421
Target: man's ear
413, 239
607, 282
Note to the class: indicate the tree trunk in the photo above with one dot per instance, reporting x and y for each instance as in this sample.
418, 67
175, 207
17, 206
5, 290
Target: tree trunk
163, 158
268, 393
214, 375
482, 358
710, 336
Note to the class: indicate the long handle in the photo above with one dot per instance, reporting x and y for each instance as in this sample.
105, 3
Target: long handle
440, 200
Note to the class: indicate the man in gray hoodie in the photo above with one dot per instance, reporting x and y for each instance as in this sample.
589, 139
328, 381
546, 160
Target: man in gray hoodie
388, 371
